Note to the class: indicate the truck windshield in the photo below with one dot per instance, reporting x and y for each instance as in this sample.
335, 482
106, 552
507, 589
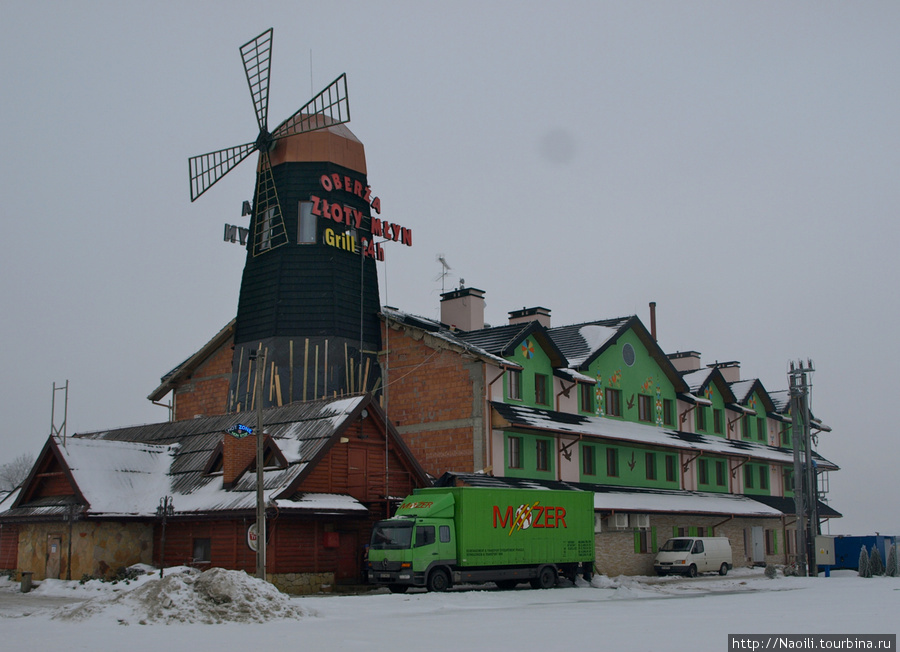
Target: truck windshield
391, 536
677, 545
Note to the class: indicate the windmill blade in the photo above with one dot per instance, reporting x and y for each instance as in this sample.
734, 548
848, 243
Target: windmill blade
257, 55
206, 169
268, 221
330, 107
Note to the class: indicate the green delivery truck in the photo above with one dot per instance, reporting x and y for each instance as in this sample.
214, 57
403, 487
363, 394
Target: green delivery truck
445, 536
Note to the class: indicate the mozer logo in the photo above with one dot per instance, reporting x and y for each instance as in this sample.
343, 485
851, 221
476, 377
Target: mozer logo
416, 505
527, 516
239, 431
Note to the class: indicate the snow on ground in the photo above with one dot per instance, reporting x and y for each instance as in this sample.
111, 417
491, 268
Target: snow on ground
625, 613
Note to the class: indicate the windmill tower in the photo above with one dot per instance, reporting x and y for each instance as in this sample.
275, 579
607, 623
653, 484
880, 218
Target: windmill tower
309, 293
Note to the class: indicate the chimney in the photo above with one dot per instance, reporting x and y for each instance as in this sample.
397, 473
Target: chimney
525, 315
463, 309
653, 320
731, 371
685, 360
237, 455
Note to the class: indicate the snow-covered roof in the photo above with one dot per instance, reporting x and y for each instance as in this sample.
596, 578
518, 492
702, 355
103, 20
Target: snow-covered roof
649, 435
119, 477
125, 472
681, 502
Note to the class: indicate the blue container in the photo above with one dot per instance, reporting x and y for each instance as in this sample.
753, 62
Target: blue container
846, 549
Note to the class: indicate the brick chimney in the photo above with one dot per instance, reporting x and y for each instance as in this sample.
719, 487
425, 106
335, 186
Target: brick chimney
685, 360
525, 315
237, 455
463, 309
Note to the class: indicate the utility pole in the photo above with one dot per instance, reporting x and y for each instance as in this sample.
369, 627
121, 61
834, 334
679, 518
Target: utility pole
260, 358
805, 481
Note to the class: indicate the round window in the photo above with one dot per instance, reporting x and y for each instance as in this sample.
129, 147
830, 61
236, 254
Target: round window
628, 354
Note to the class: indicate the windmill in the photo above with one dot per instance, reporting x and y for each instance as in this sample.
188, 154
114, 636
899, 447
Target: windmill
309, 297
329, 107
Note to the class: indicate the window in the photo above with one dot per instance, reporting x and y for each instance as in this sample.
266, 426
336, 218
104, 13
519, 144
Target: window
587, 397
650, 464
588, 460
645, 541
703, 471
515, 452
761, 428
701, 417
668, 412
540, 389
718, 425
444, 533
424, 535
542, 449
613, 402
745, 427
720, 473
771, 542
670, 468
645, 408
306, 228
514, 384
698, 548
786, 435
764, 476
748, 477
612, 462
787, 476
790, 541
202, 550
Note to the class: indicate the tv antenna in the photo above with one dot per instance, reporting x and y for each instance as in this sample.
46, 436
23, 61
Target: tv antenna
445, 270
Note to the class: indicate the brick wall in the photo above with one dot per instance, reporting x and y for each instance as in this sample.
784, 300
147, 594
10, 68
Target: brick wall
615, 550
237, 454
436, 400
205, 392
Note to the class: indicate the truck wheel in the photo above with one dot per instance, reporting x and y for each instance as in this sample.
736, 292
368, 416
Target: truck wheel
692, 571
723, 569
546, 578
438, 581
397, 588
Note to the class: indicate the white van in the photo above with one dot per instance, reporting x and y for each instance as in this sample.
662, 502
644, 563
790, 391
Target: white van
692, 555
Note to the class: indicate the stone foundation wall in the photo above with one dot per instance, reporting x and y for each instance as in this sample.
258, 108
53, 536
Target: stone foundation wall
302, 583
99, 549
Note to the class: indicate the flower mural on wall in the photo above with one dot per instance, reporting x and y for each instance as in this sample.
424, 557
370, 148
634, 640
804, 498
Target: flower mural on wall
528, 349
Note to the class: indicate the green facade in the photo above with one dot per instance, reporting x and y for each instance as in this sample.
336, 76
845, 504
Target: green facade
627, 369
535, 363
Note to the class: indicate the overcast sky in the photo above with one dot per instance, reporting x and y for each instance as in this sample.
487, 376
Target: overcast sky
735, 162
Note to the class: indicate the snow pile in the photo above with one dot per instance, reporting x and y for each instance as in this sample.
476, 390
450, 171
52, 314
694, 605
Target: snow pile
215, 596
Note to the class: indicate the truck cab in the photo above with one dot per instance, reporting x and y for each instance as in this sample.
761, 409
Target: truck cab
408, 550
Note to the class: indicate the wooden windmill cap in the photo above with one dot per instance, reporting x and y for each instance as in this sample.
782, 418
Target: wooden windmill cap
334, 144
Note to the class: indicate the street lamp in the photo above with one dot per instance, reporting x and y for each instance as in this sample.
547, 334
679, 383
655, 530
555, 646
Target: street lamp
164, 511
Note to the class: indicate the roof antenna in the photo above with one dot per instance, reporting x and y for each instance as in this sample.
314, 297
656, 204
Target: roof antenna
445, 268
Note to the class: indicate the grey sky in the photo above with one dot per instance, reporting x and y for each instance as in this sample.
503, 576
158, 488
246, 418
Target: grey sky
736, 162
